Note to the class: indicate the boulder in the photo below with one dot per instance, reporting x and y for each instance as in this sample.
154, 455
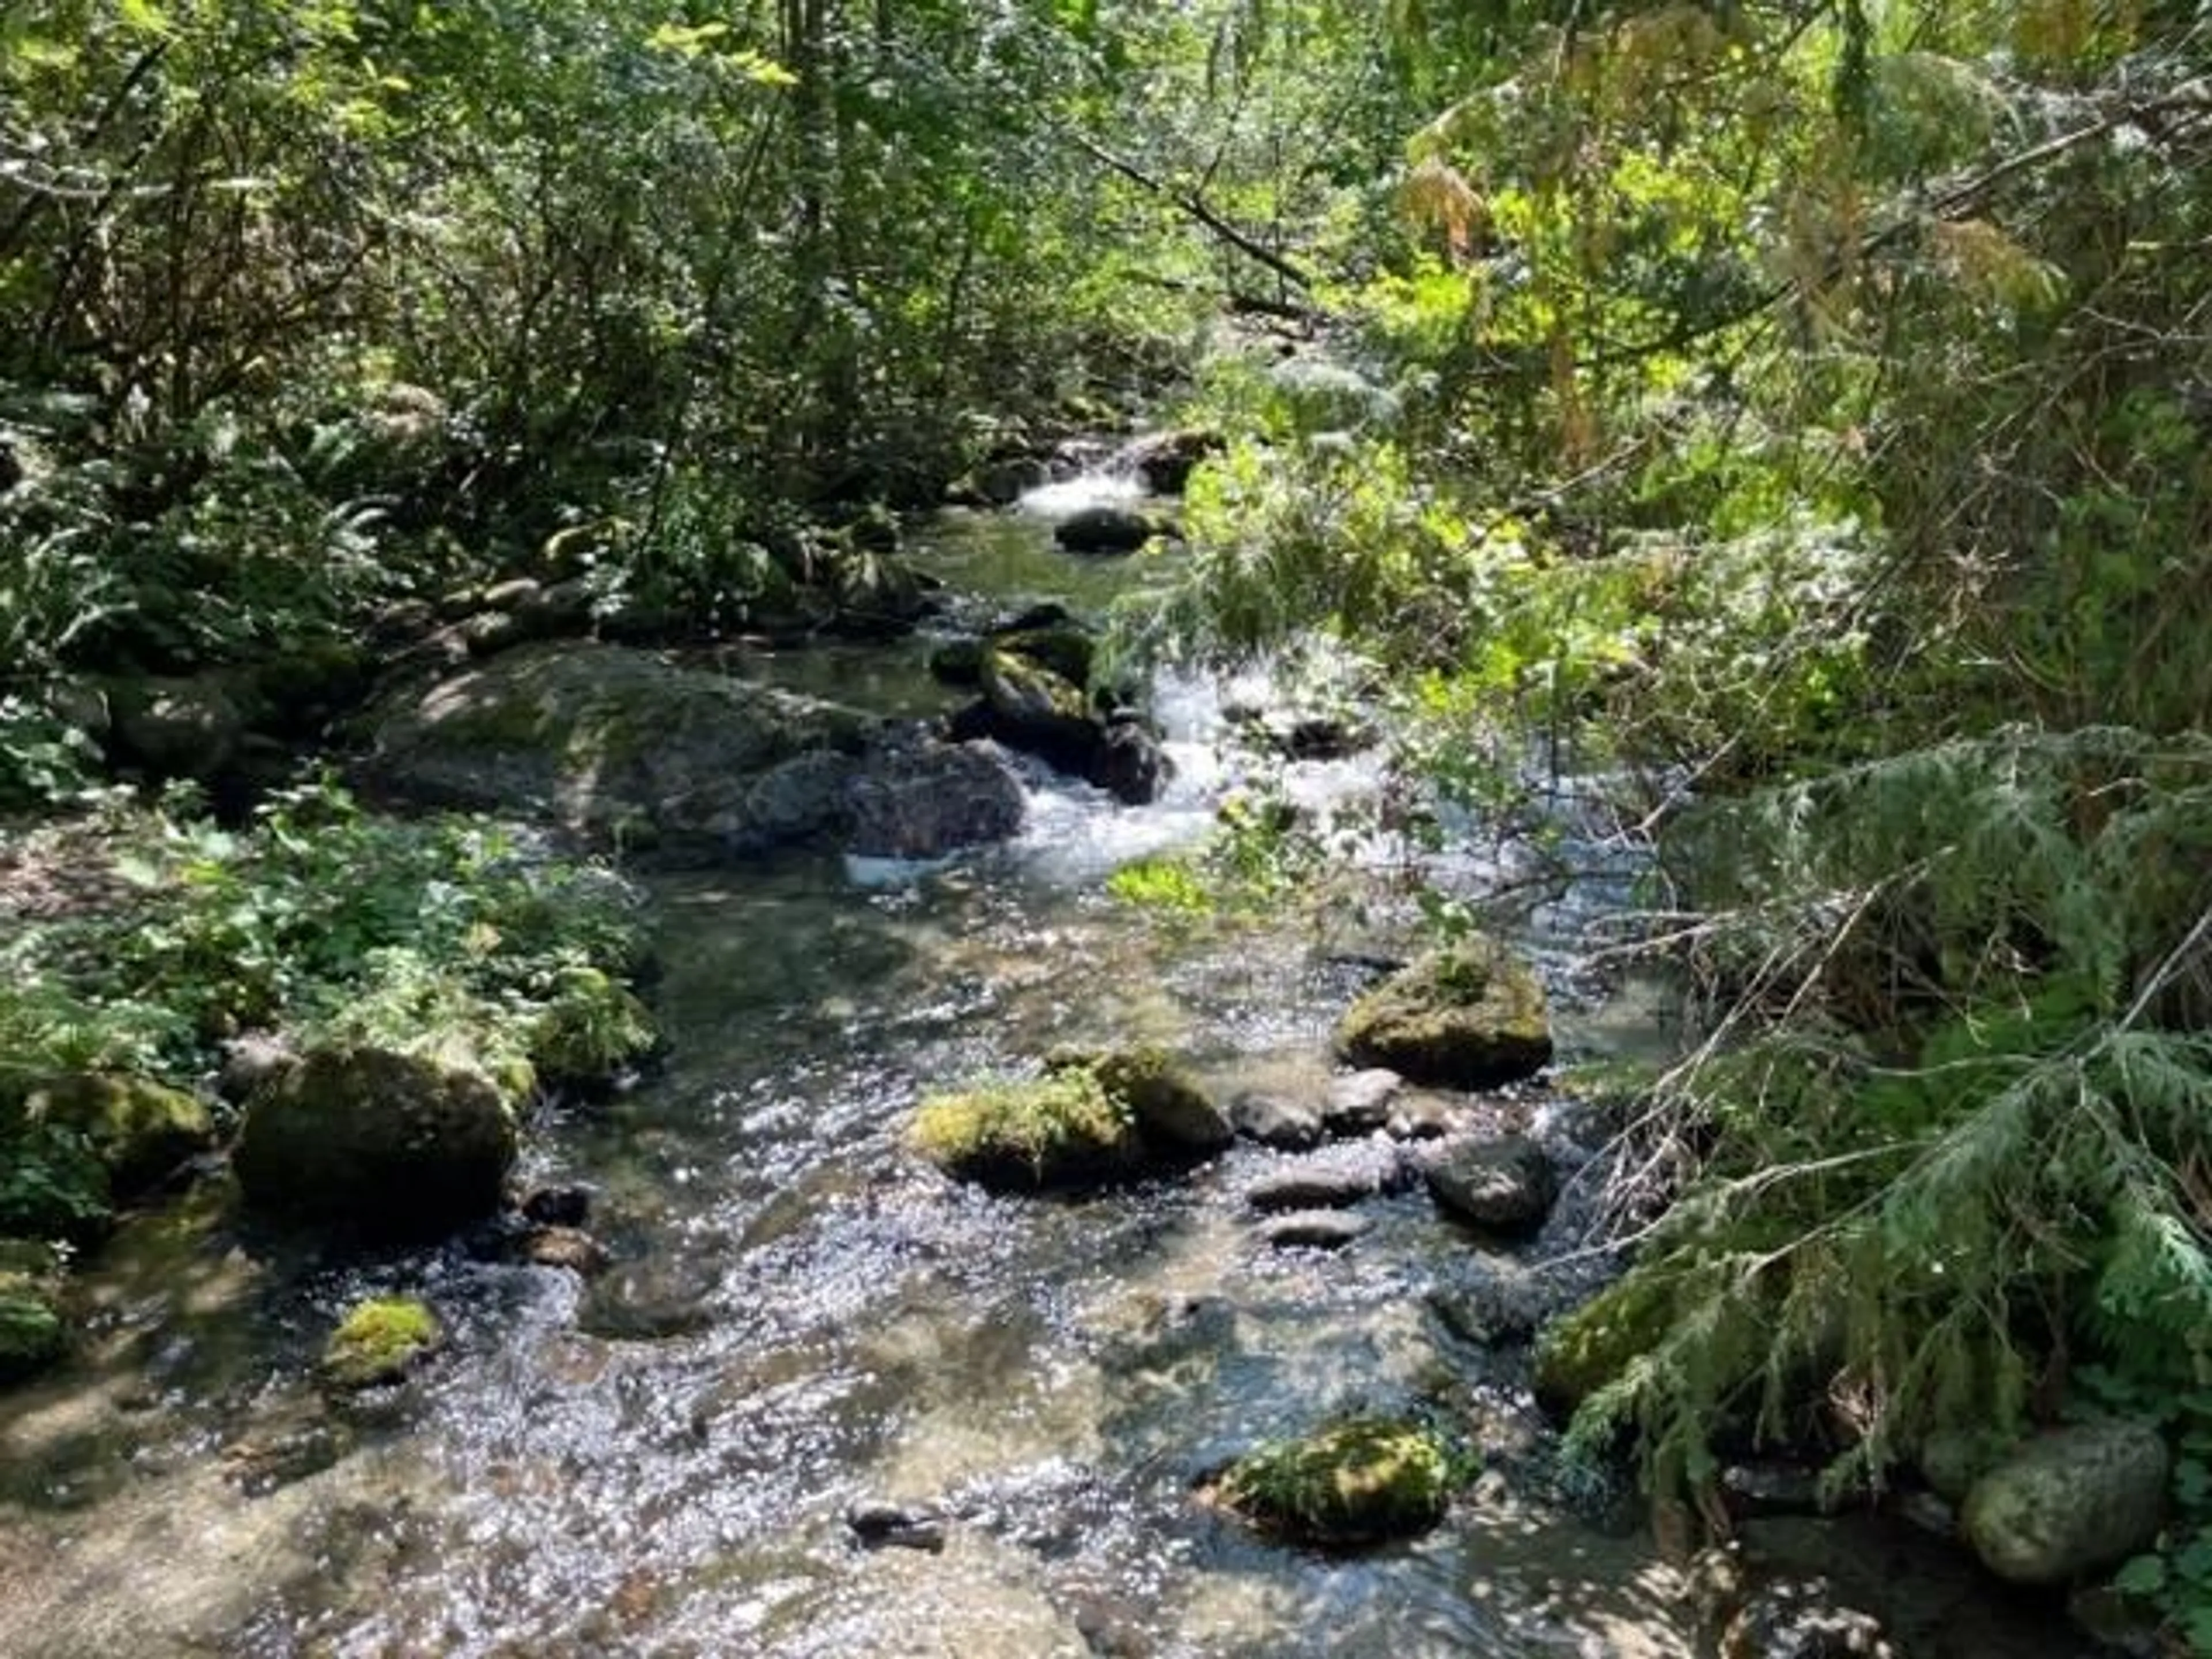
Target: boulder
2069, 1502
380, 1341
1275, 1121
374, 1142
1128, 763
1173, 1113
1360, 1101
1108, 530
957, 662
631, 751
1470, 1017
1501, 1186
1358, 1482
179, 728
1034, 708
140, 1129
920, 799
1067, 650
1165, 460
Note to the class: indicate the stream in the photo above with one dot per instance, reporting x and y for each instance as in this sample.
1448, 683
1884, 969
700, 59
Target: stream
802, 1318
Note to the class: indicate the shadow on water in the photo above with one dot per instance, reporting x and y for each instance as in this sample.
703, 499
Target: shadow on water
801, 1317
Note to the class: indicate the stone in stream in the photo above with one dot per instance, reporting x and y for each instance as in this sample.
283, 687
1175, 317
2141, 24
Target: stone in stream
1165, 460
1501, 1186
1424, 1117
571, 1249
1361, 1100
1359, 1481
1470, 1017
387, 1144
1276, 1121
559, 1205
1314, 1230
1317, 1186
379, 1342
878, 1524
1108, 529
2069, 1502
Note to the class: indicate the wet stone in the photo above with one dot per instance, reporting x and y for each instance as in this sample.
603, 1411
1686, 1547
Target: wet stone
1314, 1230
1273, 1121
880, 1525
1422, 1117
1361, 1102
570, 1249
1503, 1186
559, 1205
1318, 1187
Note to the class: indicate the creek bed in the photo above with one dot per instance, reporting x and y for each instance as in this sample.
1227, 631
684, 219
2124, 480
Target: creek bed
801, 1319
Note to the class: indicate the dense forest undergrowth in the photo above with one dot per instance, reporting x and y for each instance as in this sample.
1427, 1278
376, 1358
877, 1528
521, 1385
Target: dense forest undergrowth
1799, 413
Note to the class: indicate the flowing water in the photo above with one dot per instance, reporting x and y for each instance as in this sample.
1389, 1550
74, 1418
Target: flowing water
802, 1318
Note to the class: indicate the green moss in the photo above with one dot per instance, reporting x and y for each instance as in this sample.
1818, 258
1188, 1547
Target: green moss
1358, 1482
380, 1341
1581, 1351
1058, 1130
1471, 1017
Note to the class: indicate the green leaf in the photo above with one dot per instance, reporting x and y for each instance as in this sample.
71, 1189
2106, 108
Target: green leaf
2144, 1575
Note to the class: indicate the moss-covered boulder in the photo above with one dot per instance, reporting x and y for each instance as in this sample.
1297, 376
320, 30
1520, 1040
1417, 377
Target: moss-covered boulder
1061, 1130
1036, 708
1173, 1113
1359, 1481
140, 1130
367, 1140
2068, 1503
32, 1335
380, 1341
1581, 1352
1472, 1017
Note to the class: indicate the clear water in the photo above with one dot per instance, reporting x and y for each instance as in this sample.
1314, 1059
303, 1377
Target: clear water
802, 1317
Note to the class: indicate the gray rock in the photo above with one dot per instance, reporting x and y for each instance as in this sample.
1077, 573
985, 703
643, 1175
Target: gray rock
881, 1525
1503, 1186
1273, 1121
925, 800
2069, 1502
179, 728
1314, 1230
1129, 764
1423, 1117
1361, 1102
1497, 1302
1313, 1187
1165, 460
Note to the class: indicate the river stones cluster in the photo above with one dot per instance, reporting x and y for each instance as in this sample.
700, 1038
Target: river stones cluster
1039, 690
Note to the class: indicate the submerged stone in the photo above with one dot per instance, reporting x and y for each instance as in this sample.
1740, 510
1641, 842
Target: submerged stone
1108, 530
1472, 1017
1360, 1482
1501, 1186
1314, 1230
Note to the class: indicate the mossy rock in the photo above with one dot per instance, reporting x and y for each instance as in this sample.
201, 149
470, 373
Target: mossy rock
1360, 1482
1175, 1116
1581, 1351
591, 1030
1472, 1017
140, 1130
1061, 1130
1068, 651
380, 1341
384, 1143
